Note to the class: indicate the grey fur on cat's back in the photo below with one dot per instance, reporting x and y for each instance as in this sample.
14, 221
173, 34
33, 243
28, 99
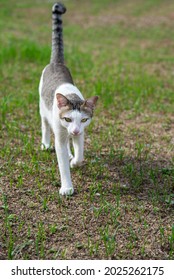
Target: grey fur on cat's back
55, 75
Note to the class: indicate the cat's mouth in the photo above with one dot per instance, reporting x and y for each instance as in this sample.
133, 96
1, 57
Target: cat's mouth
75, 134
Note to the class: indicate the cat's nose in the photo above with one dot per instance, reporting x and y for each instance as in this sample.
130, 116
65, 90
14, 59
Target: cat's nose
76, 131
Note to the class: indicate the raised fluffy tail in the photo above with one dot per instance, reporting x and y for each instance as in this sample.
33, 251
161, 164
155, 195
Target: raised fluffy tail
57, 52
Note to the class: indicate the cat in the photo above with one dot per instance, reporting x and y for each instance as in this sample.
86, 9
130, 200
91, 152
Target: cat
62, 107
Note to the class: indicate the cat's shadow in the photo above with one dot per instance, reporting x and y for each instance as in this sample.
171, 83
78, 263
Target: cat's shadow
146, 178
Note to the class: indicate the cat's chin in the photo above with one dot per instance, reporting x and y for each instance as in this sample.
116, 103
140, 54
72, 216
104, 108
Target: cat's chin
66, 191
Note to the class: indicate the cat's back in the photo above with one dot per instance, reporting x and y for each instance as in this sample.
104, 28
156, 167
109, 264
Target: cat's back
53, 76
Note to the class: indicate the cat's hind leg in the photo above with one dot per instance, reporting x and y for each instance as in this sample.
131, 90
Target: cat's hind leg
45, 134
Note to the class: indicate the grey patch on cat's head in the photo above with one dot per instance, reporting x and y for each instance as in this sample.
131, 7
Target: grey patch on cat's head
74, 102
69, 102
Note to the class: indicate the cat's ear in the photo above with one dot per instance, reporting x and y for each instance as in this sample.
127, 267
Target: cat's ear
62, 101
91, 102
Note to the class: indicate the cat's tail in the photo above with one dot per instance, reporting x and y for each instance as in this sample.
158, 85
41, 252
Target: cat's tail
57, 52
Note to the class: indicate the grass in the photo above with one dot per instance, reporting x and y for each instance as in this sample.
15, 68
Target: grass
124, 194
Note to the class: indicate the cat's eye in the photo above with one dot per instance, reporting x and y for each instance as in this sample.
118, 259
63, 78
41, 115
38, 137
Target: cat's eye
67, 119
84, 120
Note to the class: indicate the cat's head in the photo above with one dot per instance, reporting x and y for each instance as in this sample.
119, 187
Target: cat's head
74, 113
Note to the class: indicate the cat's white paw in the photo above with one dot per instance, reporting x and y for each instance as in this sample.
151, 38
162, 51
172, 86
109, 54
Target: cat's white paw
75, 163
70, 156
66, 191
45, 146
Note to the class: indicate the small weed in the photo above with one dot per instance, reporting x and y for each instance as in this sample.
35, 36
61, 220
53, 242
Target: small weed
143, 247
20, 181
93, 247
108, 240
63, 254
44, 203
53, 228
40, 241
171, 242
20, 247
59, 200
120, 153
139, 148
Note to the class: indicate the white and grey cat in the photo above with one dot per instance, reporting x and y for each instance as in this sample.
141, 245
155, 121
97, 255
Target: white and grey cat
62, 107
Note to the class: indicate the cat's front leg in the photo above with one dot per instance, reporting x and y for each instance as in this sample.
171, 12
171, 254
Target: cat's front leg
69, 150
78, 144
63, 162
